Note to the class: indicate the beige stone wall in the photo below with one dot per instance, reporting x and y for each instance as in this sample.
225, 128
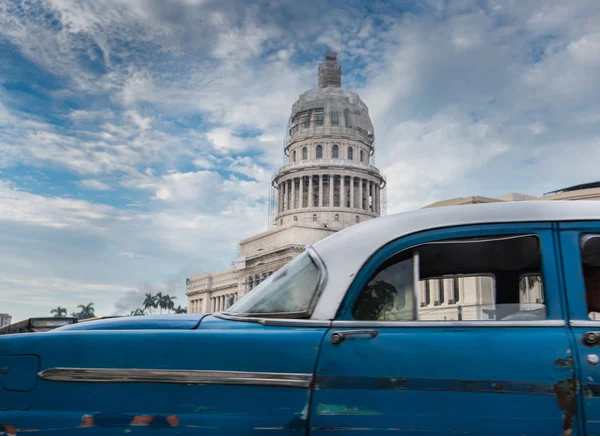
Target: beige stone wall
292, 234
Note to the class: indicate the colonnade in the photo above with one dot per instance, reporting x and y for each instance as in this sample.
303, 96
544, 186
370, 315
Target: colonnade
329, 190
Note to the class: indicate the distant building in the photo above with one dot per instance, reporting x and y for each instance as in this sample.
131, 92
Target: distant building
329, 182
5, 319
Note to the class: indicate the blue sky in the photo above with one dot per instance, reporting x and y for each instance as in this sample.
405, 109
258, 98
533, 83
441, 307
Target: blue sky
138, 138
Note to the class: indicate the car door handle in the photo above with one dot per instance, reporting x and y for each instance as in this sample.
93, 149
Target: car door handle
339, 337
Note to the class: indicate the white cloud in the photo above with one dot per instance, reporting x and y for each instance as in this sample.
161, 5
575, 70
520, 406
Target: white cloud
94, 185
56, 212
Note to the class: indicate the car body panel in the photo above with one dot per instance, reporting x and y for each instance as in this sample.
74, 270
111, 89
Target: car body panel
581, 325
226, 403
476, 377
150, 322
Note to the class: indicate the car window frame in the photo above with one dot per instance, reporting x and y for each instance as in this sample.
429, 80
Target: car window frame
544, 230
297, 315
570, 234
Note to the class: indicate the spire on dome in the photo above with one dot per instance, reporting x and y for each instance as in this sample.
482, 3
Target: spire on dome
330, 71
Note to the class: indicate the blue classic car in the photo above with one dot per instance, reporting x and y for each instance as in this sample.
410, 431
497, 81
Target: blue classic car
476, 320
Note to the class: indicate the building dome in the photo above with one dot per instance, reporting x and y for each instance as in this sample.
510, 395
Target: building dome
329, 178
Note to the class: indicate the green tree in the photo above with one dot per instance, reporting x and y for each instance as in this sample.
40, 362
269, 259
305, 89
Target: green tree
180, 309
150, 302
59, 311
169, 303
137, 312
160, 301
87, 311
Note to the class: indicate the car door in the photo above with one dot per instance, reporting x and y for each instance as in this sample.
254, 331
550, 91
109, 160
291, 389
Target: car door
452, 331
580, 246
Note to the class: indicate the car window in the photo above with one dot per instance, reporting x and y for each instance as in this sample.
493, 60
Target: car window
289, 291
497, 278
590, 257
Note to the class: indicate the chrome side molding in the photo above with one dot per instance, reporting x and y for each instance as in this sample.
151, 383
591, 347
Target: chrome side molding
445, 324
126, 375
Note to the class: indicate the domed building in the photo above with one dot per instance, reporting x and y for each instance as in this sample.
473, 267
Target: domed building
329, 177
328, 182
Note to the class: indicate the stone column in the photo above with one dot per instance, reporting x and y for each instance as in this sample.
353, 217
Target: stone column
360, 193
342, 191
321, 190
310, 191
352, 191
331, 190
293, 202
447, 291
301, 192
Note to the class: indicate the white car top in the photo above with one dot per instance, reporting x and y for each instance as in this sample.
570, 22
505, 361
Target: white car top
346, 251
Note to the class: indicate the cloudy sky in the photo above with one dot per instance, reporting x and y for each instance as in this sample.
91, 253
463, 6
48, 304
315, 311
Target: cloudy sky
138, 138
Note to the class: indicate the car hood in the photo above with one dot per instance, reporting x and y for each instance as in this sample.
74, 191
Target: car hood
147, 322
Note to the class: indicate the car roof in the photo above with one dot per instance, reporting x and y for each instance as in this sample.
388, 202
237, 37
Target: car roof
344, 252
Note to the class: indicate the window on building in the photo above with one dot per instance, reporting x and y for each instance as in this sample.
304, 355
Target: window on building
294, 156
335, 151
356, 219
319, 151
455, 290
335, 120
337, 217
295, 218
350, 153
362, 156
281, 222
590, 257
306, 117
491, 273
304, 153
315, 217
319, 116
347, 118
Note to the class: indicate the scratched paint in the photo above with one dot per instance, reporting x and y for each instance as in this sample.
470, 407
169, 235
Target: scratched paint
341, 409
434, 384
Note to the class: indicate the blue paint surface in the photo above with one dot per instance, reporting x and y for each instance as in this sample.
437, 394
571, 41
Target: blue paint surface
209, 409
153, 322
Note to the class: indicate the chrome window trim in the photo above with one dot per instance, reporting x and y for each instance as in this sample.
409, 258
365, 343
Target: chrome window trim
412, 324
284, 322
416, 285
322, 271
585, 323
322, 278
130, 375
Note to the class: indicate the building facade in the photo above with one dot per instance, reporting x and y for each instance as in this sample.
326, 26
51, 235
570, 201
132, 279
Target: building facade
5, 319
328, 182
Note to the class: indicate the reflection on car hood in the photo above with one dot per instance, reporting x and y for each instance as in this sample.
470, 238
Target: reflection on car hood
147, 322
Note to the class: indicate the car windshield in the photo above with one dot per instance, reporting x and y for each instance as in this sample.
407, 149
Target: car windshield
289, 291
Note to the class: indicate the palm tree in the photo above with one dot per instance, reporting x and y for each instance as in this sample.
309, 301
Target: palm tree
149, 302
137, 312
160, 300
59, 311
87, 311
180, 309
169, 303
